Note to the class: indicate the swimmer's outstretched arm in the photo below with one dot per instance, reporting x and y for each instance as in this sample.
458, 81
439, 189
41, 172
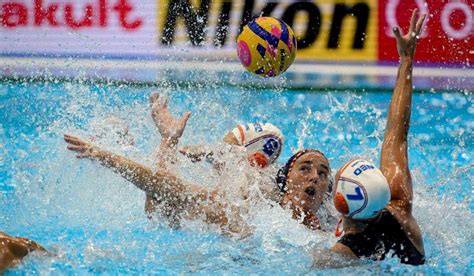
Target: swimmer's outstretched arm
394, 157
141, 176
179, 195
134, 172
171, 129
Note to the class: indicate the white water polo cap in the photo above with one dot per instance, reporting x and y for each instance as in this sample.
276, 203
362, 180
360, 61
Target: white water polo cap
361, 190
263, 142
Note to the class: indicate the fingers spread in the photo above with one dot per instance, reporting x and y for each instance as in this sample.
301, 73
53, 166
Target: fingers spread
158, 101
153, 97
184, 119
186, 115
75, 148
396, 32
69, 136
161, 102
419, 24
72, 140
413, 21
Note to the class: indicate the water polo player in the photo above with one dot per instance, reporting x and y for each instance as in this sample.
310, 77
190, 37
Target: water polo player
377, 204
177, 199
260, 144
305, 183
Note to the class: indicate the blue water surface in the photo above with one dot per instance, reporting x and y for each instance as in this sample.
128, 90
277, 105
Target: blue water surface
93, 221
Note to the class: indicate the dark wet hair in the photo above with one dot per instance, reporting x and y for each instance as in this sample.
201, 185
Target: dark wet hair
282, 174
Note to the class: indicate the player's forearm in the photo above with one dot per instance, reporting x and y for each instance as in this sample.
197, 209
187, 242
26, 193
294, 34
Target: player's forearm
400, 108
132, 171
166, 186
197, 152
166, 152
180, 197
160, 183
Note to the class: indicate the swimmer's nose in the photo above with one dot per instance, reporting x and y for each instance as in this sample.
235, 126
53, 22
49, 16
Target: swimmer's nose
314, 178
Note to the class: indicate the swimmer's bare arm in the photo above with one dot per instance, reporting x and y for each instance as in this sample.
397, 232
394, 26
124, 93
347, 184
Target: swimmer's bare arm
14, 249
196, 152
141, 176
394, 157
134, 172
192, 199
171, 128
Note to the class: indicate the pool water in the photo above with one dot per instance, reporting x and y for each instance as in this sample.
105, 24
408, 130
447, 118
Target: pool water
93, 221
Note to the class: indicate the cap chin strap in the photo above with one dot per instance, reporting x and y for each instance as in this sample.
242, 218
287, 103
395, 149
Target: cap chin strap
338, 232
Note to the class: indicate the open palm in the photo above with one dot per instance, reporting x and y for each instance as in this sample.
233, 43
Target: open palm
169, 126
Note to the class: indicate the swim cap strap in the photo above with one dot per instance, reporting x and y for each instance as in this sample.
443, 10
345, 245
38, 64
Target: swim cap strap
338, 232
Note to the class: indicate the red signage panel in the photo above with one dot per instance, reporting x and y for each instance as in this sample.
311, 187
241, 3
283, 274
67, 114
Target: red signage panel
447, 36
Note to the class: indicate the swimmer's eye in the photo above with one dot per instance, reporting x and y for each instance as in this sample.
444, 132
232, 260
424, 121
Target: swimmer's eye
305, 168
322, 174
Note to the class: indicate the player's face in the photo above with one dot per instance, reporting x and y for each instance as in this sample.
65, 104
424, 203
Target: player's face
308, 181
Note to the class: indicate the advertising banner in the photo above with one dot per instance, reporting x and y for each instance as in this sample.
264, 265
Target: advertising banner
78, 27
447, 37
327, 30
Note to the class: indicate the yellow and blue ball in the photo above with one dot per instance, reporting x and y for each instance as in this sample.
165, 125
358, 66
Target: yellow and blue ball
266, 46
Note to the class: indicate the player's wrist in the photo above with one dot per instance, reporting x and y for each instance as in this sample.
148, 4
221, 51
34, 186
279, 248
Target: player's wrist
169, 141
97, 153
406, 59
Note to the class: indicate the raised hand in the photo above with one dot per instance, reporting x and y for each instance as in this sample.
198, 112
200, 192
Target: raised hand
84, 149
170, 127
406, 44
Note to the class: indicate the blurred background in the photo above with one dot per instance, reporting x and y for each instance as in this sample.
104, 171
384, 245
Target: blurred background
145, 40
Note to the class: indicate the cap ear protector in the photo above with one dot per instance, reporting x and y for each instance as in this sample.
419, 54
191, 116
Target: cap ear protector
258, 159
362, 191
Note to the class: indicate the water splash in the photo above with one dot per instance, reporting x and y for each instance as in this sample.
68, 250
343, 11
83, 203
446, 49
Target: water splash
94, 221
